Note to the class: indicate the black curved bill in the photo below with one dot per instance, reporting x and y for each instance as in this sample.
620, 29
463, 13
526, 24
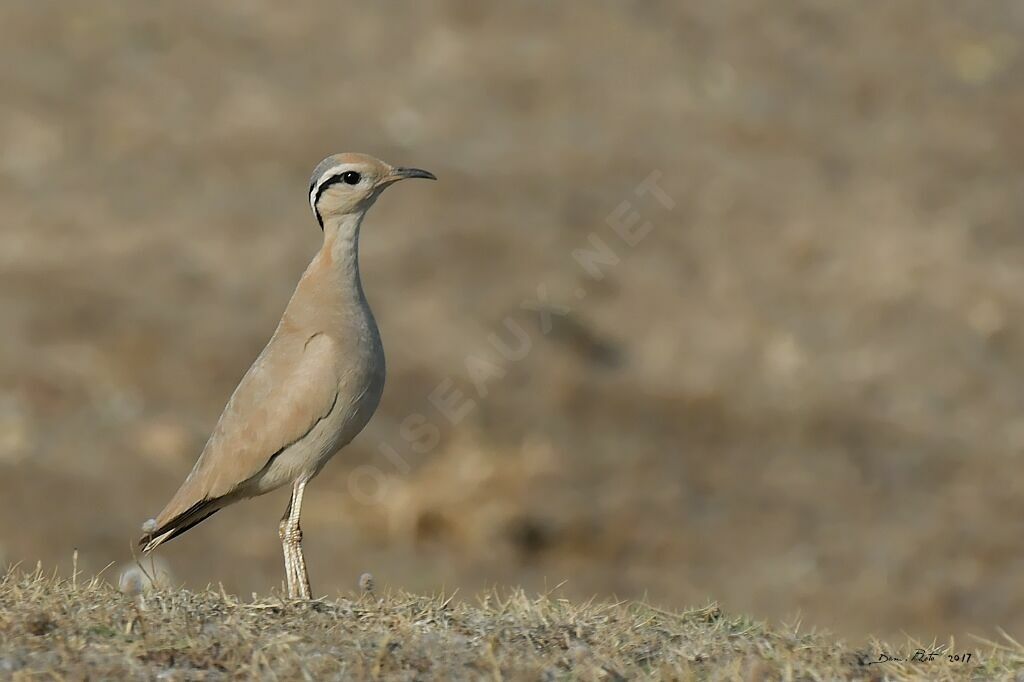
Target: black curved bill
413, 173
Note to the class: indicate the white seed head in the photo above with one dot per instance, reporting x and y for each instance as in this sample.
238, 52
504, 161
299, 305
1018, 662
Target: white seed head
153, 573
133, 581
366, 583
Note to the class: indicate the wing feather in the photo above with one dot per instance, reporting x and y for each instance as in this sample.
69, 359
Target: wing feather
291, 387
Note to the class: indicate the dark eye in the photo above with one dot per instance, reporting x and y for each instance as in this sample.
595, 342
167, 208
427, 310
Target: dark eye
351, 178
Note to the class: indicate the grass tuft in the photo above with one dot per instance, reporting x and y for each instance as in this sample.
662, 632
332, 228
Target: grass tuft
90, 629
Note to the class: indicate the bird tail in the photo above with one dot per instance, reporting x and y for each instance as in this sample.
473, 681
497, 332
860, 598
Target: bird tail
157, 533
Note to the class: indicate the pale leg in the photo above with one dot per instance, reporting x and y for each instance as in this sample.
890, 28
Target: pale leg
289, 556
292, 538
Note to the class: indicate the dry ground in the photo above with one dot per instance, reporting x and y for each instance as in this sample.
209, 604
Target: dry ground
78, 629
800, 393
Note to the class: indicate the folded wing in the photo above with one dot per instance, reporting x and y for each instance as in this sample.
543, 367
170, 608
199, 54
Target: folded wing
291, 387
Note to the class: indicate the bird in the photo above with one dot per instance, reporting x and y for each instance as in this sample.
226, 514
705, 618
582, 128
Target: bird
313, 387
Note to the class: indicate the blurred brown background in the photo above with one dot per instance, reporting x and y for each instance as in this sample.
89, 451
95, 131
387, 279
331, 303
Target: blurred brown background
803, 391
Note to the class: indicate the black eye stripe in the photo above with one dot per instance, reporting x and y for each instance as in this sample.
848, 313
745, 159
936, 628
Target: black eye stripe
326, 184
319, 192
348, 177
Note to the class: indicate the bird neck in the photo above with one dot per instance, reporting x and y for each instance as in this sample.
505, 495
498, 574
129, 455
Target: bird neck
341, 250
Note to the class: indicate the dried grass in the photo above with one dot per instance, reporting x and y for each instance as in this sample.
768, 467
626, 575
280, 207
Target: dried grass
88, 629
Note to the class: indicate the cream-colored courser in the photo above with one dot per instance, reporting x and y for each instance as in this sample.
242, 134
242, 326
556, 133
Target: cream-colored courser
314, 386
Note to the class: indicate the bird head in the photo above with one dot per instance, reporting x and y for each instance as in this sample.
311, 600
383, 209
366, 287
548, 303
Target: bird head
345, 184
